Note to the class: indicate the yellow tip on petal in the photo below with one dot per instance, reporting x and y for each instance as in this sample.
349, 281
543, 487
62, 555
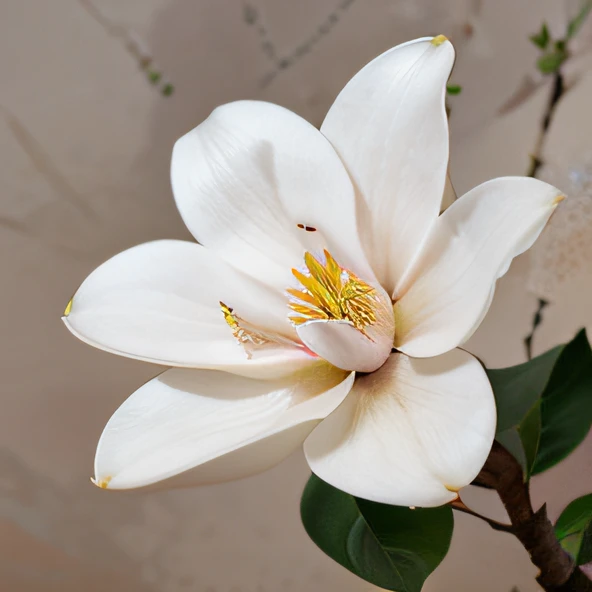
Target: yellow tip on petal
558, 200
436, 41
101, 483
68, 307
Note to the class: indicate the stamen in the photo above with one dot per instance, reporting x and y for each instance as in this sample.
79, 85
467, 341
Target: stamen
331, 292
247, 338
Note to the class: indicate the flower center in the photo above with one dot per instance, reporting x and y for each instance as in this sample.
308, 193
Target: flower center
337, 316
331, 293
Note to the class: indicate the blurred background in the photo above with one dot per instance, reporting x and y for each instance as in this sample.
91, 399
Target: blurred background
93, 93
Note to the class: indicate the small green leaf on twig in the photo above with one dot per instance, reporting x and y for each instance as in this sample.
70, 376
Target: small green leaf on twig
154, 76
542, 38
576, 23
168, 89
551, 62
453, 89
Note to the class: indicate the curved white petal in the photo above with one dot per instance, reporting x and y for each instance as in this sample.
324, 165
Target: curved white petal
390, 128
160, 302
259, 185
191, 427
342, 345
411, 434
349, 348
470, 247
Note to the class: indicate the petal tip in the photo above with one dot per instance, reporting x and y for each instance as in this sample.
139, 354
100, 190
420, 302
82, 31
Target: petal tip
101, 483
68, 308
439, 40
558, 200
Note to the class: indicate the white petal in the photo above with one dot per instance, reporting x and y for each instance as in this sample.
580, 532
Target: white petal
160, 302
471, 246
411, 434
390, 128
191, 427
249, 175
342, 345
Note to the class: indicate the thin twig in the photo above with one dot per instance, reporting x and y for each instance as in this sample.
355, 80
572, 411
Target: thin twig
537, 319
460, 506
536, 159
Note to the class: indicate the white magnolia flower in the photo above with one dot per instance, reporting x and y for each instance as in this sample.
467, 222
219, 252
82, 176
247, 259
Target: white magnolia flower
325, 302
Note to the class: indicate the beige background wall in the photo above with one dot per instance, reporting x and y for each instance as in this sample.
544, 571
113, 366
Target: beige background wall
85, 144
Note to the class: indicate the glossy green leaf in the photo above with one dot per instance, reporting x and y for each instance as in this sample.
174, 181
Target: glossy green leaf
392, 547
530, 436
542, 38
544, 406
574, 529
518, 388
566, 404
518, 392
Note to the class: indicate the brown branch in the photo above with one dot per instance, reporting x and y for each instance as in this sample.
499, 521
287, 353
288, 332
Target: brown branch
533, 529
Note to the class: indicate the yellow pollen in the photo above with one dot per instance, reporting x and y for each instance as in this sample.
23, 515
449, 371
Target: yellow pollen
558, 200
247, 338
436, 41
331, 292
102, 483
68, 307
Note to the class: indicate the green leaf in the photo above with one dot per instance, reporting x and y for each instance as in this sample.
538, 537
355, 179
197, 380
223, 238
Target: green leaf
576, 23
541, 39
566, 404
529, 431
551, 62
391, 547
518, 393
544, 406
453, 89
518, 388
574, 529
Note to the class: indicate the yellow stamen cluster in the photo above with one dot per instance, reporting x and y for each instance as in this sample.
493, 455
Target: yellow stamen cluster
331, 292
